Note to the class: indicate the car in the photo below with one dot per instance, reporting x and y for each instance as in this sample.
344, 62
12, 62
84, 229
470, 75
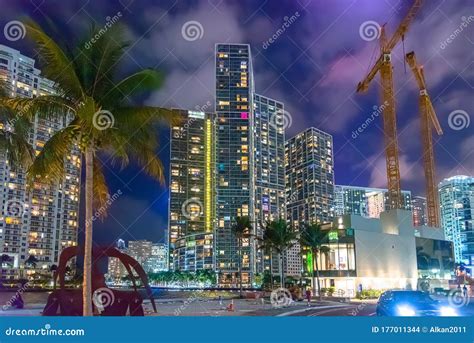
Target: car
410, 304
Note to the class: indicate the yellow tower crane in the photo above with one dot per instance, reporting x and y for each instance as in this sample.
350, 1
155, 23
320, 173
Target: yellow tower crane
384, 65
428, 120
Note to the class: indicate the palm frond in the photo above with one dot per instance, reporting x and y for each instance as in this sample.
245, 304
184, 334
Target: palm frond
47, 106
139, 82
55, 64
49, 164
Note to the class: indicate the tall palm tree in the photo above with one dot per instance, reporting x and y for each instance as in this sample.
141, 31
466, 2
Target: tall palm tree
267, 247
282, 237
313, 237
103, 118
241, 229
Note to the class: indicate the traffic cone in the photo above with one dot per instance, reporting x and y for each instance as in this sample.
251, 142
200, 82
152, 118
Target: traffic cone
230, 307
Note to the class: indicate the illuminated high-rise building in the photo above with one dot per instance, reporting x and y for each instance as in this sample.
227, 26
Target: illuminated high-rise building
456, 195
309, 185
235, 178
192, 192
269, 162
310, 177
36, 223
419, 210
367, 202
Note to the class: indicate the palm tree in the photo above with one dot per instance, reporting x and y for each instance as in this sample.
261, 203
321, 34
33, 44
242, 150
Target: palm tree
31, 261
241, 229
313, 238
267, 247
103, 118
282, 237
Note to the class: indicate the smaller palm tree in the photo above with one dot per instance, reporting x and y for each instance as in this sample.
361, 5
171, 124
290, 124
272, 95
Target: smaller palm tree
313, 237
268, 249
241, 229
31, 261
281, 237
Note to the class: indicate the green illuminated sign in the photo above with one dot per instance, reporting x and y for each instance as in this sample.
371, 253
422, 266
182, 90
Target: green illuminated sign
309, 262
349, 232
333, 236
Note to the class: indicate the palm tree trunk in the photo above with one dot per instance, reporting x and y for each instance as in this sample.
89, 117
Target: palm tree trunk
239, 242
317, 275
282, 272
87, 277
271, 270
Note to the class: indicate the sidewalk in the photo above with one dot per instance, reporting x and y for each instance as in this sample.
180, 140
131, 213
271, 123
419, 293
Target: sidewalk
197, 307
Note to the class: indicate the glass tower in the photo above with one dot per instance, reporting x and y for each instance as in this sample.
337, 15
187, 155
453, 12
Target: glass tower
310, 177
456, 196
365, 201
235, 159
192, 194
269, 160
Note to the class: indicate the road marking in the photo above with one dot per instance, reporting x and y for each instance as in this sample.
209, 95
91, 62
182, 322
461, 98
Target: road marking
330, 310
308, 309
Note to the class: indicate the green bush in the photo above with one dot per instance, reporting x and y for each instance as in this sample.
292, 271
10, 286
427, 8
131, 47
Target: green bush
331, 290
369, 294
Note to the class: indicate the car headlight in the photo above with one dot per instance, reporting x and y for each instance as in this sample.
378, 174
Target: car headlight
447, 311
406, 311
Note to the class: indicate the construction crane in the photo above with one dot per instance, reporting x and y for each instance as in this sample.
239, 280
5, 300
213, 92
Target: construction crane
428, 120
384, 66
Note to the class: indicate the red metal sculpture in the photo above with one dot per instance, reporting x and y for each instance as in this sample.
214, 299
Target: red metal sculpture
106, 301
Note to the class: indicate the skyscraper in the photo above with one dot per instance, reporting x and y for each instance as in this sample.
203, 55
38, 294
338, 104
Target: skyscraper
365, 201
140, 250
192, 193
158, 260
269, 162
309, 185
42, 220
419, 210
456, 196
310, 177
234, 158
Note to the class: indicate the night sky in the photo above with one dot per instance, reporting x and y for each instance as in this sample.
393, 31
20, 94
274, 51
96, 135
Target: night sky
313, 67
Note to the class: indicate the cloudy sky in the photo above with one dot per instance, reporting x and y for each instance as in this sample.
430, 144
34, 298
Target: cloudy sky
313, 66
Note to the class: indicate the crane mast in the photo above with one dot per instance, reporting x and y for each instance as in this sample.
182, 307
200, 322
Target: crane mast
383, 65
428, 120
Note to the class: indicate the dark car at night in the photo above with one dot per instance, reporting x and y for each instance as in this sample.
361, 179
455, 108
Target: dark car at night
410, 304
